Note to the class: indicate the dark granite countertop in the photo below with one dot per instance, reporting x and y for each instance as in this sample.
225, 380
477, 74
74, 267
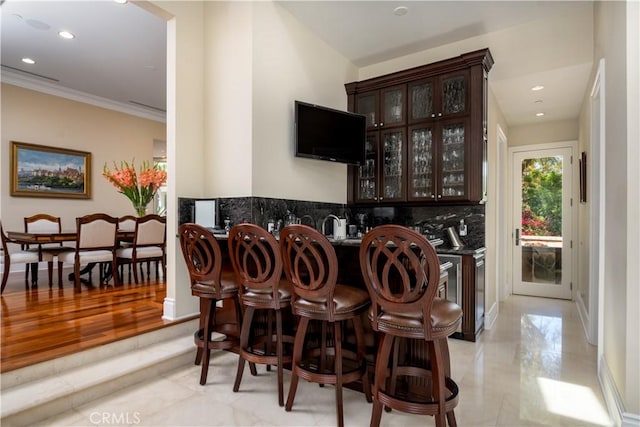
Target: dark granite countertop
460, 251
437, 243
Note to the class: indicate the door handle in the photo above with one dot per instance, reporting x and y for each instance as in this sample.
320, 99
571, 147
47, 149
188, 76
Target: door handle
517, 237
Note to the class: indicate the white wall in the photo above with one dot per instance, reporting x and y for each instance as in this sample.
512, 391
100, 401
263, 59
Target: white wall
620, 335
632, 389
584, 244
228, 116
495, 202
186, 163
289, 63
541, 133
258, 60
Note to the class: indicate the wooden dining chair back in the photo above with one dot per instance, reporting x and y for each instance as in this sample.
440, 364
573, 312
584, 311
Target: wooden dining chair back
401, 271
95, 244
15, 257
311, 266
149, 243
203, 257
257, 263
45, 223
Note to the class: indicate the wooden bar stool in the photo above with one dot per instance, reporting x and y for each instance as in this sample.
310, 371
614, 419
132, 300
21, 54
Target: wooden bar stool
311, 266
204, 261
256, 260
401, 270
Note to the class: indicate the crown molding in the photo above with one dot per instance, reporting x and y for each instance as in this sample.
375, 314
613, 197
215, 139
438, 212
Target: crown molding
33, 83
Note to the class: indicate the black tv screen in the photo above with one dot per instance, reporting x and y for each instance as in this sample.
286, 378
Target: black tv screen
327, 134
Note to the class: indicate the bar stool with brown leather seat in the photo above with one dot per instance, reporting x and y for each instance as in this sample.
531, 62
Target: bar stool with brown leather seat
311, 266
204, 260
256, 260
401, 270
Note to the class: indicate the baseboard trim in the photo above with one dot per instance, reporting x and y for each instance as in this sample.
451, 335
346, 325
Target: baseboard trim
169, 309
491, 316
630, 420
584, 318
614, 402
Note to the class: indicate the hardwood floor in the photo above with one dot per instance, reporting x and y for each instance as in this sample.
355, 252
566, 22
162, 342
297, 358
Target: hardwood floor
45, 323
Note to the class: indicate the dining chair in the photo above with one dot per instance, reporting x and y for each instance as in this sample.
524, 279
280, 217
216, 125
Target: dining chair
95, 244
149, 243
203, 257
401, 271
45, 223
16, 257
127, 223
256, 260
311, 266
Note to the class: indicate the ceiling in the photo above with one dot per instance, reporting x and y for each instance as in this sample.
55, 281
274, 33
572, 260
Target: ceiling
119, 52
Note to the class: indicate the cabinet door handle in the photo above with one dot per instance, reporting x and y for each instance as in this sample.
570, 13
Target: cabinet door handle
517, 237
433, 196
433, 114
439, 196
381, 124
380, 198
375, 125
439, 114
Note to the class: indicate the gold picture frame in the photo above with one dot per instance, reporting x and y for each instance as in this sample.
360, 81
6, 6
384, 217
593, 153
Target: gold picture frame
43, 171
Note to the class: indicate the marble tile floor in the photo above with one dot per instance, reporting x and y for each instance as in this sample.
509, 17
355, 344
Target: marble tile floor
534, 368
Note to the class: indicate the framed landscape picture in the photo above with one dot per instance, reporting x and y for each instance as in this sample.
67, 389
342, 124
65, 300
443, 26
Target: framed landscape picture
42, 171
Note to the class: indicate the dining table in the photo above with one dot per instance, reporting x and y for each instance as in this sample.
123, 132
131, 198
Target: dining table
42, 238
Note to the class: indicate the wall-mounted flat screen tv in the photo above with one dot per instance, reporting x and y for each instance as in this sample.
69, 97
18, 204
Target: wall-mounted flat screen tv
326, 134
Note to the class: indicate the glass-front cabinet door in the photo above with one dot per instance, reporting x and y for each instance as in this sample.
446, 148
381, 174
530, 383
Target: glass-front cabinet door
454, 95
383, 109
367, 104
421, 101
452, 176
421, 163
367, 178
392, 176
393, 110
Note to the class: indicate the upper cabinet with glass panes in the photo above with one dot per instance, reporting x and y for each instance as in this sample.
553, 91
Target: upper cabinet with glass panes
437, 115
383, 108
438, 97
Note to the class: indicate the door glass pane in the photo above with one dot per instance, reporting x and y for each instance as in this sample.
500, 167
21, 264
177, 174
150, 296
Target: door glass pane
367, 171
392, 143
421, 171
421, 101
453, 160
367, 107
392, 107
542, 220
453, 95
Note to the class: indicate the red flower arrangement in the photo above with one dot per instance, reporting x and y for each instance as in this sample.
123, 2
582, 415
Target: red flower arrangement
139, 188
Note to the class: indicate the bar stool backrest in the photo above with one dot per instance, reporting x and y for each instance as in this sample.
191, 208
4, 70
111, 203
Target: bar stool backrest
255, 257
401, 270
310, 263
202, 254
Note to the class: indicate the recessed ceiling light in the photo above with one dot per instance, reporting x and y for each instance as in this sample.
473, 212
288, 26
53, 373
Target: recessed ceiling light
538, 101
539, 114
400, 10
120, 1
28, 61
537, 88
66, 35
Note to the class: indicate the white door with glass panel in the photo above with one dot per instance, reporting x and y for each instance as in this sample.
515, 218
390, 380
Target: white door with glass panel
542, 234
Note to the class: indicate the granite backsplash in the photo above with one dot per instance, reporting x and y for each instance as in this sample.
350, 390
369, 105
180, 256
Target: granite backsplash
433, 220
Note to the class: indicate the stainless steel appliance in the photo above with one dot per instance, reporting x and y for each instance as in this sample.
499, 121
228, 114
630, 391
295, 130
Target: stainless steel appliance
454, 286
